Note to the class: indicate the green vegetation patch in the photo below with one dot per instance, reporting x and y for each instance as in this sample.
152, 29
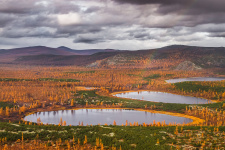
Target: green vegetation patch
14, 79
133, 75
128, 137
59, 80
6, 104
153, 76
218, 106
169, 75
196, 86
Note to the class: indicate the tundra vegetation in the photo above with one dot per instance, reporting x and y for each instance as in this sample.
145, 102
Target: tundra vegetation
26, 89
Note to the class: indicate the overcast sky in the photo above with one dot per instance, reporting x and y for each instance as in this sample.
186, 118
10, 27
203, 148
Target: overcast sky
117, 24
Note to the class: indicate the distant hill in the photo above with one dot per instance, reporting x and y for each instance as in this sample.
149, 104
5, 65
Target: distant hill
12, 54
178, 57
7, 56
86, 52
167, 57
36, 50
60, 60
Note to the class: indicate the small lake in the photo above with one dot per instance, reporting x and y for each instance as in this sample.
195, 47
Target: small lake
195, 79
103, 116
162, 97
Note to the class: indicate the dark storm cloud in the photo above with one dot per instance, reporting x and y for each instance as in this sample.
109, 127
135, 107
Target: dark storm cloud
88, 40
99, 21
36, 6
79, 29
194, 12
34, 21
19, 7
27, 32
212, 29
6, 19
62, 7
207, 5
140, 34
92, 9
221, 34
143, 2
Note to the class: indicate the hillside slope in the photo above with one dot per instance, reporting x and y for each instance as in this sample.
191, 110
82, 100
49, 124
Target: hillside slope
87, 51
12, 54
167, 57
178, 57
59, 60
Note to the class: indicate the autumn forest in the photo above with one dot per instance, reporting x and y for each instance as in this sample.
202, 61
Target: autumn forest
26, 90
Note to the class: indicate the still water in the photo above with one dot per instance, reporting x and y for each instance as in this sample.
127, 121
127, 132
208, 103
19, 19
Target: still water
103, 116
162, 97
195, 79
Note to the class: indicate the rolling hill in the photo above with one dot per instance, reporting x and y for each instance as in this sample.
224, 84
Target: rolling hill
168, 57
86, 52
60, 60
178, 57
8, 56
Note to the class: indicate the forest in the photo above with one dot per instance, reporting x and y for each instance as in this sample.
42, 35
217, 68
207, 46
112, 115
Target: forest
27, 90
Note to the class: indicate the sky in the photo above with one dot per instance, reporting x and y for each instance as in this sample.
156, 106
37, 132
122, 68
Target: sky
115, 24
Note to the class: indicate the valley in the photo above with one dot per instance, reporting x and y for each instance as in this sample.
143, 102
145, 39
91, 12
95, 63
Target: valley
56, 94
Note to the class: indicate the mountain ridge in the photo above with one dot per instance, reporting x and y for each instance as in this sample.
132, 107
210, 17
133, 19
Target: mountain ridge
165, 57
86, 51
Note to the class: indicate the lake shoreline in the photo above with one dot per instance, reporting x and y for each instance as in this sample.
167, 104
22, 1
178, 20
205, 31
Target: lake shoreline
121, 92
195, 120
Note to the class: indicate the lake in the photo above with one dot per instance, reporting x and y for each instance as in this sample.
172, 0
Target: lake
162, 97
195, 79
103, 116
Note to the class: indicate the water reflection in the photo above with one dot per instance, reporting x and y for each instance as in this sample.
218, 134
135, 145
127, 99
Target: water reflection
195, 79
104, 116
162, 97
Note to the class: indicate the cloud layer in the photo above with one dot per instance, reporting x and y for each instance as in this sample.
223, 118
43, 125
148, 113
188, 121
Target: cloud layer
119, 24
